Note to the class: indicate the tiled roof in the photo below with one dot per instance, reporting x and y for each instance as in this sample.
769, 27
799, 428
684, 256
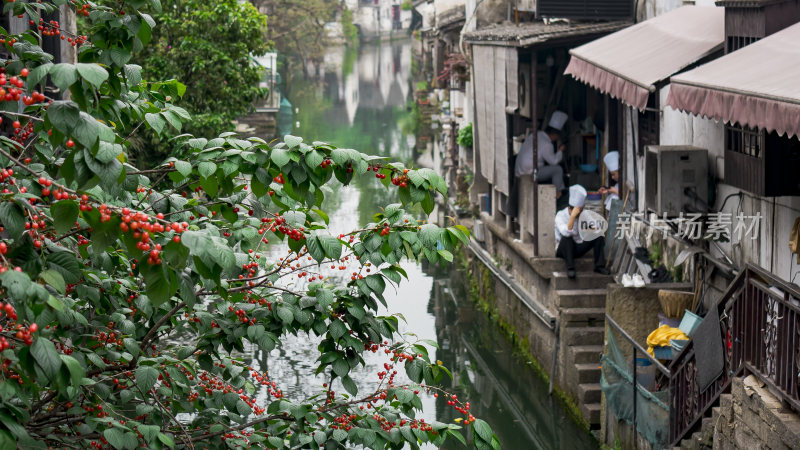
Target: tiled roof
528, 33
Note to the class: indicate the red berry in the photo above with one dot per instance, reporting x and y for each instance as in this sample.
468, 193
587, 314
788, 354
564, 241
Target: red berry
70, 144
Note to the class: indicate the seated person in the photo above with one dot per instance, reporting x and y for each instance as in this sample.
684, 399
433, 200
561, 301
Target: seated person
569, 244
549, 159
611, 160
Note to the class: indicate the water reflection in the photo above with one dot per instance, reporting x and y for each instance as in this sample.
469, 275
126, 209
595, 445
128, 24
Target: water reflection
361, 101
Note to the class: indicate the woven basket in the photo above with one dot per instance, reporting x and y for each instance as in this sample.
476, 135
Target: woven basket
674, 303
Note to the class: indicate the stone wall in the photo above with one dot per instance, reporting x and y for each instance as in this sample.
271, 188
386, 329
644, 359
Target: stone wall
753, 418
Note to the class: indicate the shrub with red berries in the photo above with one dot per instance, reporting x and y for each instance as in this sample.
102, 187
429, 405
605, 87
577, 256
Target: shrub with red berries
126, 293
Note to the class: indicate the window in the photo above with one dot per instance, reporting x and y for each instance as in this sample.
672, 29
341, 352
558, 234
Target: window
744, 140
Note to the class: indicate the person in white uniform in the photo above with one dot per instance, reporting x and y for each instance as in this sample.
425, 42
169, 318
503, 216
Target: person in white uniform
569, 244
549, 158
611, 161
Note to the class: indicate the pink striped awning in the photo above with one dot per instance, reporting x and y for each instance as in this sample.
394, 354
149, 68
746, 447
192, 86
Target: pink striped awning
757, 86
627, 64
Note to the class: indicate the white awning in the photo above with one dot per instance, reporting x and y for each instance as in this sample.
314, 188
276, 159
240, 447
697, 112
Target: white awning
628, 64
757, 86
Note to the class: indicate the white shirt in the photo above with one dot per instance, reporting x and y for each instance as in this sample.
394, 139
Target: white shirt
547, 152
611, 196
562, 220
524, 164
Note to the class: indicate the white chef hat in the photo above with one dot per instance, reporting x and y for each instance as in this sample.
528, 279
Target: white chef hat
577, 195
557, 120
612, 161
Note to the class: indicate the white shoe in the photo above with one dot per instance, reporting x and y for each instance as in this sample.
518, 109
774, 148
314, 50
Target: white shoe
638, 281
626, 280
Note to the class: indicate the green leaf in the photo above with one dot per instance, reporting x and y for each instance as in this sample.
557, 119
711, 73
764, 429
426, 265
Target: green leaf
86, 130
12, 219
314, 159
64, 75
446, 255
279, 156
292, 141
206, 169
120, 439
349, 384
76, 371
107, 152
133, 73
159, 287
429, 235
146, 377
166, 440
483, 430
45, 354
414, 369
183, 167
149, 432
65, 213
341, 368
337, 329
66, 264
54, 279
93, 73
285, 314
16, 284
459, 437
315, 249
38, 74
331, 245
64, 115
155, 121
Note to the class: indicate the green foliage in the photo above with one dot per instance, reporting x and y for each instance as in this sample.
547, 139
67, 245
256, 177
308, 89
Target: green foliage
127, 293
407, 5
208, 46
465, 136
348, 28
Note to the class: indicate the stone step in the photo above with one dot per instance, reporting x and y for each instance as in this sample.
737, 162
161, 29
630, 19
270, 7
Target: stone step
572, 336
715, 413
581, 298
589, 393
583, 280
580, 317
545, 267
588, 373
582, 354
591, 412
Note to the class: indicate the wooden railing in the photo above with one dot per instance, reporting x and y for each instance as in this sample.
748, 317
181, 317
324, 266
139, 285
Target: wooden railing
759, 320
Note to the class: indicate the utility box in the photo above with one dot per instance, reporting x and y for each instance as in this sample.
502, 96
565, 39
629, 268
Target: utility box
676, 179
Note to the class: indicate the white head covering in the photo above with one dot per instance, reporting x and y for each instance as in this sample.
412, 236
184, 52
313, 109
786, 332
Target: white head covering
612, 161
557, 120
577, 195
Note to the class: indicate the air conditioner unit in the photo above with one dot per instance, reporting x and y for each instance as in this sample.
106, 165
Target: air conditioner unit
676, 179
524, 81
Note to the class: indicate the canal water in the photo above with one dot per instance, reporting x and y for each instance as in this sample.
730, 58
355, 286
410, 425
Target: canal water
362, 100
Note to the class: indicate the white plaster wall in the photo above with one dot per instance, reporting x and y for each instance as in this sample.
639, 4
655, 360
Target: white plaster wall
770, 249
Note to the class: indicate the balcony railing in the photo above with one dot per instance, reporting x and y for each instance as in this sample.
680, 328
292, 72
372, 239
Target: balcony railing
759, 320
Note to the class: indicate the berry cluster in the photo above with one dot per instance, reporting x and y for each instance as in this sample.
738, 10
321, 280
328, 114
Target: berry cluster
280, 225
17, 331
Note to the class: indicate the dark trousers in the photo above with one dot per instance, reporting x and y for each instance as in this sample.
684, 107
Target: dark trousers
569, 250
